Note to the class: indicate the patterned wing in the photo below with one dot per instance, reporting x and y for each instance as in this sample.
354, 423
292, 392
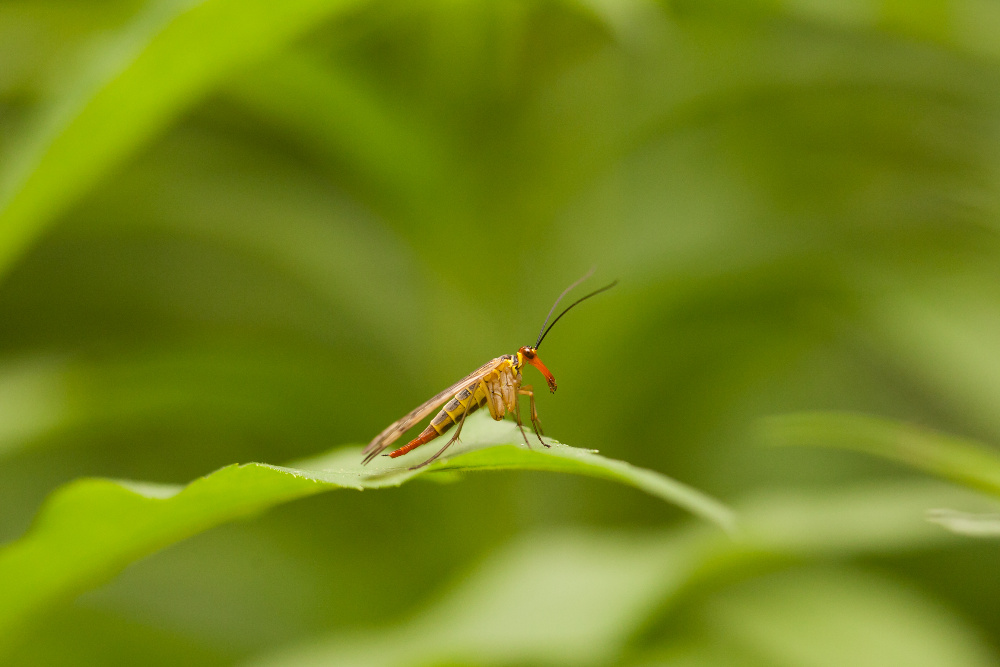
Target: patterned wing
404, 423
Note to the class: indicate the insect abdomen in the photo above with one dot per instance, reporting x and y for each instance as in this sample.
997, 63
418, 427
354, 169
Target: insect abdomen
468, 401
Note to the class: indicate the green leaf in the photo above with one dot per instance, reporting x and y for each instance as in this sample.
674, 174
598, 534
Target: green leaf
130, 88
966, 523
90, 529
32, 400
571, 597
300, 93
561, 598
939, 330
966, 462
828, 618
878, 517
589, 463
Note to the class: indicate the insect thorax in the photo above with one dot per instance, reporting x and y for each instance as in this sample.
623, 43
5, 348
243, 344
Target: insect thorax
502, 386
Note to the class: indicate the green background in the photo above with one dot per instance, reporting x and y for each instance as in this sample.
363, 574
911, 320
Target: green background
254, 231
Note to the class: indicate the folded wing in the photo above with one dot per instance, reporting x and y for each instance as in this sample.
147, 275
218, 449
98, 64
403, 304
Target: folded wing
406, 422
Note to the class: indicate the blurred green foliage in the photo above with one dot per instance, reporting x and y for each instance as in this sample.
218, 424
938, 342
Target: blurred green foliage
253, 231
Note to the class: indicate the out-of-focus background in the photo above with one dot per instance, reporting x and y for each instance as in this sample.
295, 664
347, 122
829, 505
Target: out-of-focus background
232, 232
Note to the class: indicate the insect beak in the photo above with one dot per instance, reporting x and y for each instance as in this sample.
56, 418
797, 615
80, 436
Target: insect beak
537, 363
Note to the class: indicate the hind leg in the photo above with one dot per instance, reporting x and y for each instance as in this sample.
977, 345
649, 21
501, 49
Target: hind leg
458, 432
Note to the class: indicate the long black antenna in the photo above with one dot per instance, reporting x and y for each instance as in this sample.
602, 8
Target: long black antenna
541, 332
545, 332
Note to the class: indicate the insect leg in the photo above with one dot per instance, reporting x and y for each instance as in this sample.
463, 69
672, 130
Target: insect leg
535, 421
458, 432
494, 401
520, 424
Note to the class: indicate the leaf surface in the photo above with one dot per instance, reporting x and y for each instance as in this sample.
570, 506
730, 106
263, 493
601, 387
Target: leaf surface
579, 598
966, 462
90, 529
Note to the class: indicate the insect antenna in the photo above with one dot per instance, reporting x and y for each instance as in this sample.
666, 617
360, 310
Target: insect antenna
541, 332
545, 332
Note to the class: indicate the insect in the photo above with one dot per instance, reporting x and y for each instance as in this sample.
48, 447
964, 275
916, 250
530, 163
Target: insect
497, 385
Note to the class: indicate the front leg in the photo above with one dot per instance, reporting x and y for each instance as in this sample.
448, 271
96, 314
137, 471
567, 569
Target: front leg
526, 390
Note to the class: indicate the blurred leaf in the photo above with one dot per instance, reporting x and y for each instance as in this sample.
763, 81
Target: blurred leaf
969, 25
300, 94
966, 462
966, 523
829, 618
940, 330
566, 598
130, 88
783, 528
821, 617
90, 529
553, 599
32, 401
700, 654
237, 388
877, 517
578, 598
247, 200
110, 639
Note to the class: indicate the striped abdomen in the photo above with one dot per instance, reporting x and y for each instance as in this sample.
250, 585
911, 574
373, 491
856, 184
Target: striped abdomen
466, 401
